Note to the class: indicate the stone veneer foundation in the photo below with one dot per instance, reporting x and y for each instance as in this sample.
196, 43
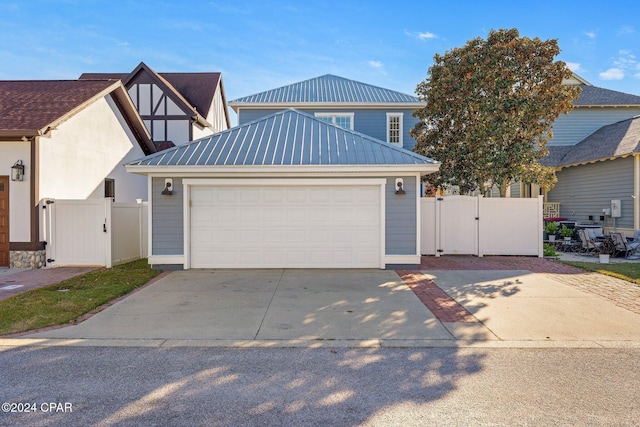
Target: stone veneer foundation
27, 259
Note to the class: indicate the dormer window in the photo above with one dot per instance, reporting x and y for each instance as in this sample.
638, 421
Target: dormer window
344, 120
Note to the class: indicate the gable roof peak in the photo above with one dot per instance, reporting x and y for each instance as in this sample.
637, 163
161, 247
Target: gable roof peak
328, 89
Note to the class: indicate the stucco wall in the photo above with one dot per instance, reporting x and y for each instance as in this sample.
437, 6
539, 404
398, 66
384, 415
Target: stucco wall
20, 212
83, 151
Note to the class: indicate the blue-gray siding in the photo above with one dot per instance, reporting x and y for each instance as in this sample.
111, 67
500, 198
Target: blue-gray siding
372, 122
587, 189
167, 219
581, 122
400, 229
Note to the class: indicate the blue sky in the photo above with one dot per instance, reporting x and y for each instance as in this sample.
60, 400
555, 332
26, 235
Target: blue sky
260, 45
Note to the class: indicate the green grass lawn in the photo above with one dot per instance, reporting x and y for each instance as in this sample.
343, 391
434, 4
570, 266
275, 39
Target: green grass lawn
66, 301
629, 271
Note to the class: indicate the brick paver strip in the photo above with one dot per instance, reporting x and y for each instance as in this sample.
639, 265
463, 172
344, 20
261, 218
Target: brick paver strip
445, 308
37, 278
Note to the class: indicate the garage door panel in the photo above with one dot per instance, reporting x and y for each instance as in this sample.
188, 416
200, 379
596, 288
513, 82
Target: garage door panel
297, 214
296, 195
287, 226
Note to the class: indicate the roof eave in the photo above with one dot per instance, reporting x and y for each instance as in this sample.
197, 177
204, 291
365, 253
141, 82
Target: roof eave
600, 159
606, 105
18, 134
293, 170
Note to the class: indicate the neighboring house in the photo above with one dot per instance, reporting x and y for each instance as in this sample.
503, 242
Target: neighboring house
383, 114
72, 138
595, 153
175, 107
287, 190
601, 172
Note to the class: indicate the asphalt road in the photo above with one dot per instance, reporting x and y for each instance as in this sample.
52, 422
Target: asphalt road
103, 386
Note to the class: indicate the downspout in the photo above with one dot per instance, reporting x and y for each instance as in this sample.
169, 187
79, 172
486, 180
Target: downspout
636, 191
34, 189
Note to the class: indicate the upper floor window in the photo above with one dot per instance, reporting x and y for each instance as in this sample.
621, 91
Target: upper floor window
344, 120
394, 128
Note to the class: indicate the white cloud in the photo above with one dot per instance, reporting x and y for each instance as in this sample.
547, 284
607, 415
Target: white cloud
612, 74
426, 35
575, 67
376, 64
626, 29
590, 34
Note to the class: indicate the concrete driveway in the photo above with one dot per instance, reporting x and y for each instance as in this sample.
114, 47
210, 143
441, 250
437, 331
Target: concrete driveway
265, 305
499, 308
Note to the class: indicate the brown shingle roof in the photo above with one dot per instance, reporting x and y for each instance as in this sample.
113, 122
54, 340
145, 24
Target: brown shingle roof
33, 105
197, 89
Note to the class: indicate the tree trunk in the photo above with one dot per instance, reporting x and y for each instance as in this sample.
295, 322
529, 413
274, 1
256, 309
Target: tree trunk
503, 189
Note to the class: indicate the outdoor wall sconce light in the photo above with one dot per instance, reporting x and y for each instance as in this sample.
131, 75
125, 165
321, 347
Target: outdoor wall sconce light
399, 186
17, 171
168, 185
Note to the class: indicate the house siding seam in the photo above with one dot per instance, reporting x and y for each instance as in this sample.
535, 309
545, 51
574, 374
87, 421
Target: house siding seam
587, 189
371, 122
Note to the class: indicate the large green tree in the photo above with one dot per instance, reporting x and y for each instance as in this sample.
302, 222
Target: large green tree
489, 110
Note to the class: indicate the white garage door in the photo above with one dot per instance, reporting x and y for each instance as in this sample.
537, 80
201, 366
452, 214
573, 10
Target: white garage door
285, 226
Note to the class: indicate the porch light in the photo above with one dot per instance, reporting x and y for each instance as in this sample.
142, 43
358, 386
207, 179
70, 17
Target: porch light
17, 171
399, 189
168, 183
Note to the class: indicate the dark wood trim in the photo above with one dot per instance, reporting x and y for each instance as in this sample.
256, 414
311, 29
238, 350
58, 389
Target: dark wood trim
6, 247
34, 185
27, 246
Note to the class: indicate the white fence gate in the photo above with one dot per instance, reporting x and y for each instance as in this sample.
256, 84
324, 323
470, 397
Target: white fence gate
481, 226
94, 232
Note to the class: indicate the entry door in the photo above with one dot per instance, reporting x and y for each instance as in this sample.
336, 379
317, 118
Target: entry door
4, 221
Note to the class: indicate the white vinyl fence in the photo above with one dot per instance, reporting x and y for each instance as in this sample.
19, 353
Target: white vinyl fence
468, 225
94, 232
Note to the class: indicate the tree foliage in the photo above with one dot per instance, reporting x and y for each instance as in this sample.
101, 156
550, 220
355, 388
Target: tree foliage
489, 110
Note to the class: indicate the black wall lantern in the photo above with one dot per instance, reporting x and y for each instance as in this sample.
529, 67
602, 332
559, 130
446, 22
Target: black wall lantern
399, 188
17, 171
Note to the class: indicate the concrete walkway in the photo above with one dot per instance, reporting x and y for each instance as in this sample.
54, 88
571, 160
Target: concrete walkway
449, 302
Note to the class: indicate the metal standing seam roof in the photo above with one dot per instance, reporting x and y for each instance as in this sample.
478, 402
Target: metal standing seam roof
285, 138
328, 89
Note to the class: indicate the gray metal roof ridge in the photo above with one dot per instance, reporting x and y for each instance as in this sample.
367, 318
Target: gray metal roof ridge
307, 89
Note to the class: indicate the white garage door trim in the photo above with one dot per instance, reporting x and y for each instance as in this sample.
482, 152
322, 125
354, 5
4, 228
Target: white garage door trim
188, 184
